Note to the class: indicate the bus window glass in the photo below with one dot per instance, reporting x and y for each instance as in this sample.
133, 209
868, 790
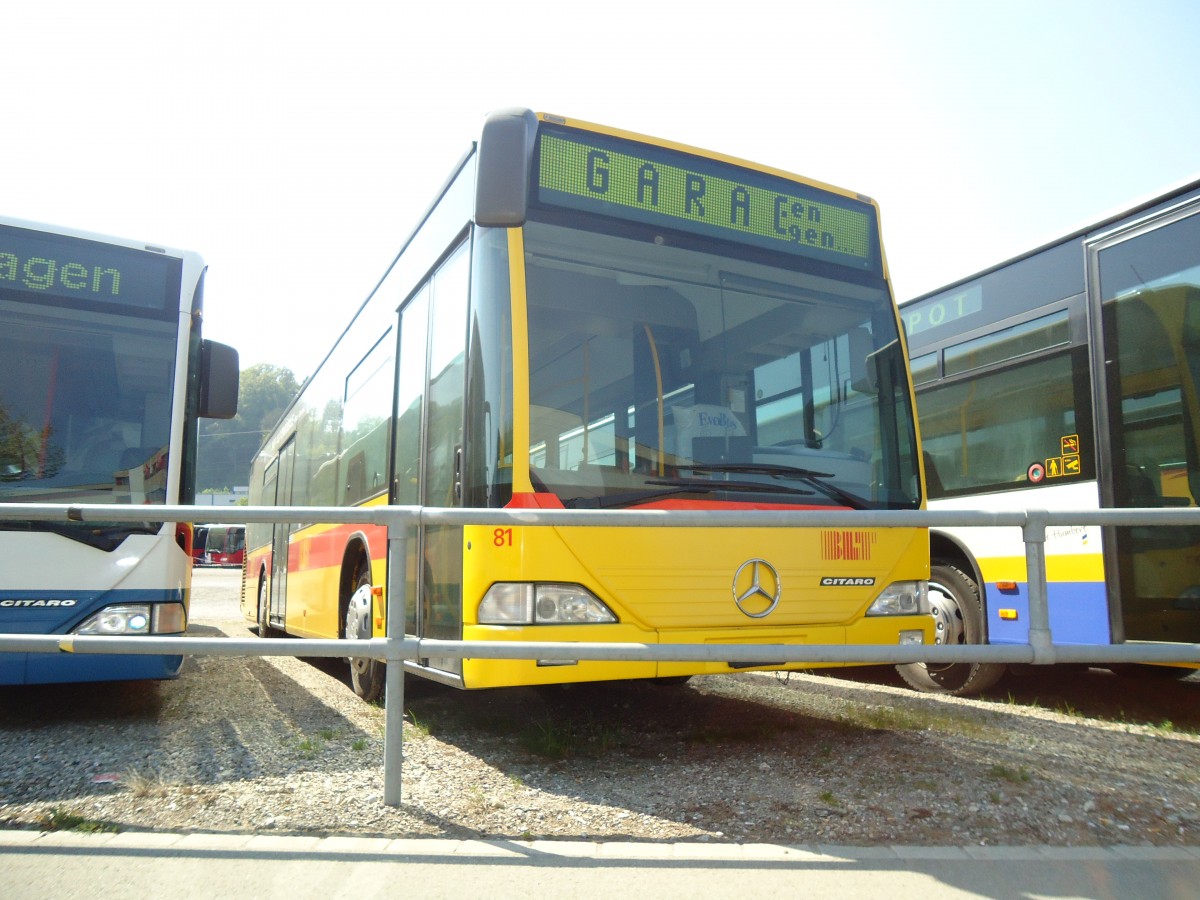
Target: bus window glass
1150, 288
924, 368
440, 593
366, 424
410, 407
318, 422
650, 362
489, 418
986, 433
1008, 344
446, 383
85, 406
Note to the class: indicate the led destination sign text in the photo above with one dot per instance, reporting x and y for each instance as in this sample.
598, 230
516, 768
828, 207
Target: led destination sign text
77, 270
38, 273
668, 188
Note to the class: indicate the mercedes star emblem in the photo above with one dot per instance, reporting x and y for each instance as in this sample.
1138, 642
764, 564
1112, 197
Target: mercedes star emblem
756, 588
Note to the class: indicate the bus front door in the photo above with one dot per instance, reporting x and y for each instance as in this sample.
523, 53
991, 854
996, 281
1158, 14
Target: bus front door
1150, 318
281, 534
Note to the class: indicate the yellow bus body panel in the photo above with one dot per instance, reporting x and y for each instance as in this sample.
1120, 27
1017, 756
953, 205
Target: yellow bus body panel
677, 586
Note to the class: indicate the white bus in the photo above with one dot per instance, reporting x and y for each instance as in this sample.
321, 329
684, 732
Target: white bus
1066, 379
104, 376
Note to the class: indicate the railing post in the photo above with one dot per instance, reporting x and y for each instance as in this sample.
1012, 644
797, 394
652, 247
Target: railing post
1034, 534
393, 731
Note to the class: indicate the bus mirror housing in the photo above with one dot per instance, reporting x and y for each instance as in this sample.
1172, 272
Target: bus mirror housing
219, 376
505, 147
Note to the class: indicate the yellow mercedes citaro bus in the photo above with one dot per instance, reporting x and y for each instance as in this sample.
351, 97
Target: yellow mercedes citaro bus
594, 320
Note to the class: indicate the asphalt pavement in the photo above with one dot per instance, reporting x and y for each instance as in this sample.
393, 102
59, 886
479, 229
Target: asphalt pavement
165, 866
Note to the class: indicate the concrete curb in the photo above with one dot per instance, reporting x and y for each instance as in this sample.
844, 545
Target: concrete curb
202, 843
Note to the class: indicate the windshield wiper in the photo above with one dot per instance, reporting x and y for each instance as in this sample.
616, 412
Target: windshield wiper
679, 486
629, 497
817, 479
701, 484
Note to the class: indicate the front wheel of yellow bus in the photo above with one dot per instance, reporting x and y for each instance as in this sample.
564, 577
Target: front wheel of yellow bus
367, 676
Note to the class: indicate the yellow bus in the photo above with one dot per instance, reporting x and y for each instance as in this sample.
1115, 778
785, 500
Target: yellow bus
591, 319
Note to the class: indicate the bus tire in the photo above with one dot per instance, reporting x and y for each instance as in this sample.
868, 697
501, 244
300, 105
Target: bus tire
958, 606
264, 609
367, 676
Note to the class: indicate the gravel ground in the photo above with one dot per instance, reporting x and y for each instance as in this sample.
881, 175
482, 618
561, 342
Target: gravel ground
282, 745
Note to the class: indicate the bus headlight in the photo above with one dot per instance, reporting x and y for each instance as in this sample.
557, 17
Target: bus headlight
902, 598
524, 603
136, 618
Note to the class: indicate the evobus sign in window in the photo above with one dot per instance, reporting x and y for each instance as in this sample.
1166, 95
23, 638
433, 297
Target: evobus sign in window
69, 269
662, 187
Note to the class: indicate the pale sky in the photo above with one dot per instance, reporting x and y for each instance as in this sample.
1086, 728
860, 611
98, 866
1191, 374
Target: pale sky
295, 144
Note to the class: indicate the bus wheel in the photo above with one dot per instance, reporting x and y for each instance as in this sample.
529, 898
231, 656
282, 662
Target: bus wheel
367, 675
958, 608
264, 610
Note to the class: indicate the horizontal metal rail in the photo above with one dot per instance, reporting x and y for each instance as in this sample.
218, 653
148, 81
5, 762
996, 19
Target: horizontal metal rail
412, 648
1040, 650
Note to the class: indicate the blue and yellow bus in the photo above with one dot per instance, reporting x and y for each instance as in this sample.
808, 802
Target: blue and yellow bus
591, 319
1066, 378
105, 375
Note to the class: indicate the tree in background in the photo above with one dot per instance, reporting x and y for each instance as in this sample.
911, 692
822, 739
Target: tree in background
228, 445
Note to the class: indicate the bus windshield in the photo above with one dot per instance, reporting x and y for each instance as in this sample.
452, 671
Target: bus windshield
687, 372
85, 409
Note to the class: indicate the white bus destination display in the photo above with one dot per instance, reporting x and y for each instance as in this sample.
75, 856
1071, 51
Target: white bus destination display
658, 186
947, 308
73, 269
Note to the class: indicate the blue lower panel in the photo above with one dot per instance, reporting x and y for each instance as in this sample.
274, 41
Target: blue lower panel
58, 668
60, 612
1078, 613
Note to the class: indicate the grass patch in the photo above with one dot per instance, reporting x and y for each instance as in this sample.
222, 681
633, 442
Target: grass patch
550, 739
1063, 707
59, 819
146, 785
311, 748
904, 718
1002, 772
416, 725
563, 738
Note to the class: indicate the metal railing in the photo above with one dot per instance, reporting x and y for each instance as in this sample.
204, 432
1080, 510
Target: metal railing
394, 649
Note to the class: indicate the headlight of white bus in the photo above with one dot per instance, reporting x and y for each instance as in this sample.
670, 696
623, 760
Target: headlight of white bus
902, 598
525, 603
136, 618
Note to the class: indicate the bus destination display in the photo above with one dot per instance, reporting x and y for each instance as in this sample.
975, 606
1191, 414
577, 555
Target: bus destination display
65, 268
945, 310
656, 186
